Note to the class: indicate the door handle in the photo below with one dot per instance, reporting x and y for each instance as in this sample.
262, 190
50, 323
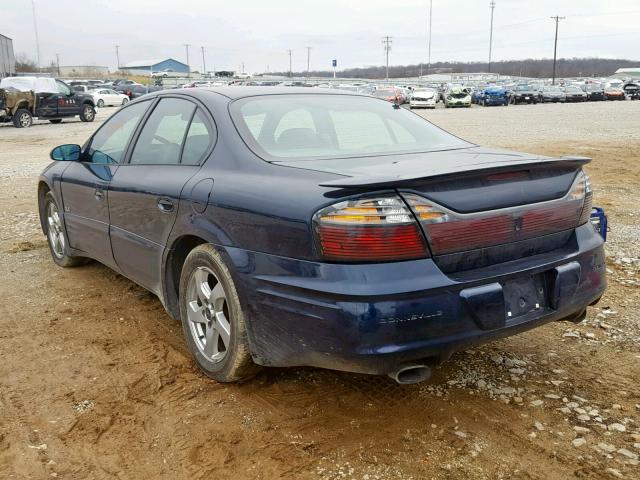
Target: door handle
99, 194
165, 205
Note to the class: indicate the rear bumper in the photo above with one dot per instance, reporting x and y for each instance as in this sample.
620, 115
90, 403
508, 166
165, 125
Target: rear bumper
373, 318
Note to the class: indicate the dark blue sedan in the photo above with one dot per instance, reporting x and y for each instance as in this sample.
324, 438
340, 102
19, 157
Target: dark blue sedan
286, 227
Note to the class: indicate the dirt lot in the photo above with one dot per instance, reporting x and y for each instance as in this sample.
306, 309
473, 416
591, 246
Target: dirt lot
95, 381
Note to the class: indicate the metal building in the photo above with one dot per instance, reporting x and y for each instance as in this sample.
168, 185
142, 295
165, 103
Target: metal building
7, 58
144, 67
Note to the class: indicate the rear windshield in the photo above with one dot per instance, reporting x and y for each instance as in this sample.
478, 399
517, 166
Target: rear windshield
295, 127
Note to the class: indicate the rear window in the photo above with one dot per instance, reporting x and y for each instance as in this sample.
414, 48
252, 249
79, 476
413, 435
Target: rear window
295, 127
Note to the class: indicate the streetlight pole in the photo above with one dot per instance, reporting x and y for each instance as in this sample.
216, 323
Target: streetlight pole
204, 64
186, 46
386, 41
555, 48
58, 62
290, 72
118, 55
35, 30
430, 23
308, 61
492, 5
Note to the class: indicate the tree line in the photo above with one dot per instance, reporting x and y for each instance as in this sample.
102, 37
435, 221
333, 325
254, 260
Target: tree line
530, 67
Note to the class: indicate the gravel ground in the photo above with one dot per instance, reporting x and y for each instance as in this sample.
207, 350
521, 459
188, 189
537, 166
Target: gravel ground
96, 382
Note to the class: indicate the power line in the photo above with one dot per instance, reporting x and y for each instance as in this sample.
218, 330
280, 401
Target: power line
429, 48
555, 48
386, 41
290, 72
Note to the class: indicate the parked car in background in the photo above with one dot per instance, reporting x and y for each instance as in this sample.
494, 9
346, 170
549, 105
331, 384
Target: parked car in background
389, 94
139, 90
632, 90
376, 242
126, 87
457, 97
108, 97
23, 98
523, 93
551, 93
423, 98
594, 91
574, 94
613, 92
81, 88
477, 93
495, 96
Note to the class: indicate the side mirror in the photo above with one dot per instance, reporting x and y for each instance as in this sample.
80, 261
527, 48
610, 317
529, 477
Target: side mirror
66, 153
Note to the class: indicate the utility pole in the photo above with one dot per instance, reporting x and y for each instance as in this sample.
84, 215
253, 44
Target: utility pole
187, 45
492, 5
35, 30
430, 23
118, 55
555, 47
204, 64
386, 41
58, 62
290, 72
308, 60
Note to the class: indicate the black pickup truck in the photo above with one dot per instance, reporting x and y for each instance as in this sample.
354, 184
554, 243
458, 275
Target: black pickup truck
21, 107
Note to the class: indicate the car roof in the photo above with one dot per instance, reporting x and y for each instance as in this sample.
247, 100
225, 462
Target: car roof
235, 92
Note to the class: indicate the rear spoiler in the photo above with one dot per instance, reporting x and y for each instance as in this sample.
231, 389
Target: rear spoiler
379, 181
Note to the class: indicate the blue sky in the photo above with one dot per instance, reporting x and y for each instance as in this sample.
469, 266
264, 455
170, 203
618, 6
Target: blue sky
258, 33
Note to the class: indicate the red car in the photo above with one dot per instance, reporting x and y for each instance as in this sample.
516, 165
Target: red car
389, 94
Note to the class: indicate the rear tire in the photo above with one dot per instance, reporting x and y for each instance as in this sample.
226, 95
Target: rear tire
125, 101
87, 114
213, 322
56, 235
100, 103
22, 118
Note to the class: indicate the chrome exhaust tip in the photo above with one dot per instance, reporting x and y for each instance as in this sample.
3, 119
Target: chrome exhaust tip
409, 374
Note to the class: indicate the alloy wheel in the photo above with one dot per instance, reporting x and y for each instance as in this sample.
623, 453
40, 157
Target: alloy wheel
208, 314
25, 120
55, 230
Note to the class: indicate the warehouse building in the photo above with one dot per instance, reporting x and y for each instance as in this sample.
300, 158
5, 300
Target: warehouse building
7, 58
144, 67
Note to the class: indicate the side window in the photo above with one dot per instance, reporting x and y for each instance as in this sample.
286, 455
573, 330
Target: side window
199, 138
63, 88
110, 142
160, 141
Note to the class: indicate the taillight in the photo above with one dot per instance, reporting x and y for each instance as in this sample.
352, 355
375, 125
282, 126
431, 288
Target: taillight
369, 230
451, 232
582, 190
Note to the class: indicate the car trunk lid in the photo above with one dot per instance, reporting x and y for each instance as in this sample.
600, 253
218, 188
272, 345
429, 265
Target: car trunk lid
489, 198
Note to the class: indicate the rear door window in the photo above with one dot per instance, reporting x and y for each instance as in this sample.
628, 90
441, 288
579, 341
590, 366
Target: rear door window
163, 135
199, 138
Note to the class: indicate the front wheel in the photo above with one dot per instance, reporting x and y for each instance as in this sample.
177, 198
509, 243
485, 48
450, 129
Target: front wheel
22, 118
125, 101
56, 237
87, 114
212, 318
